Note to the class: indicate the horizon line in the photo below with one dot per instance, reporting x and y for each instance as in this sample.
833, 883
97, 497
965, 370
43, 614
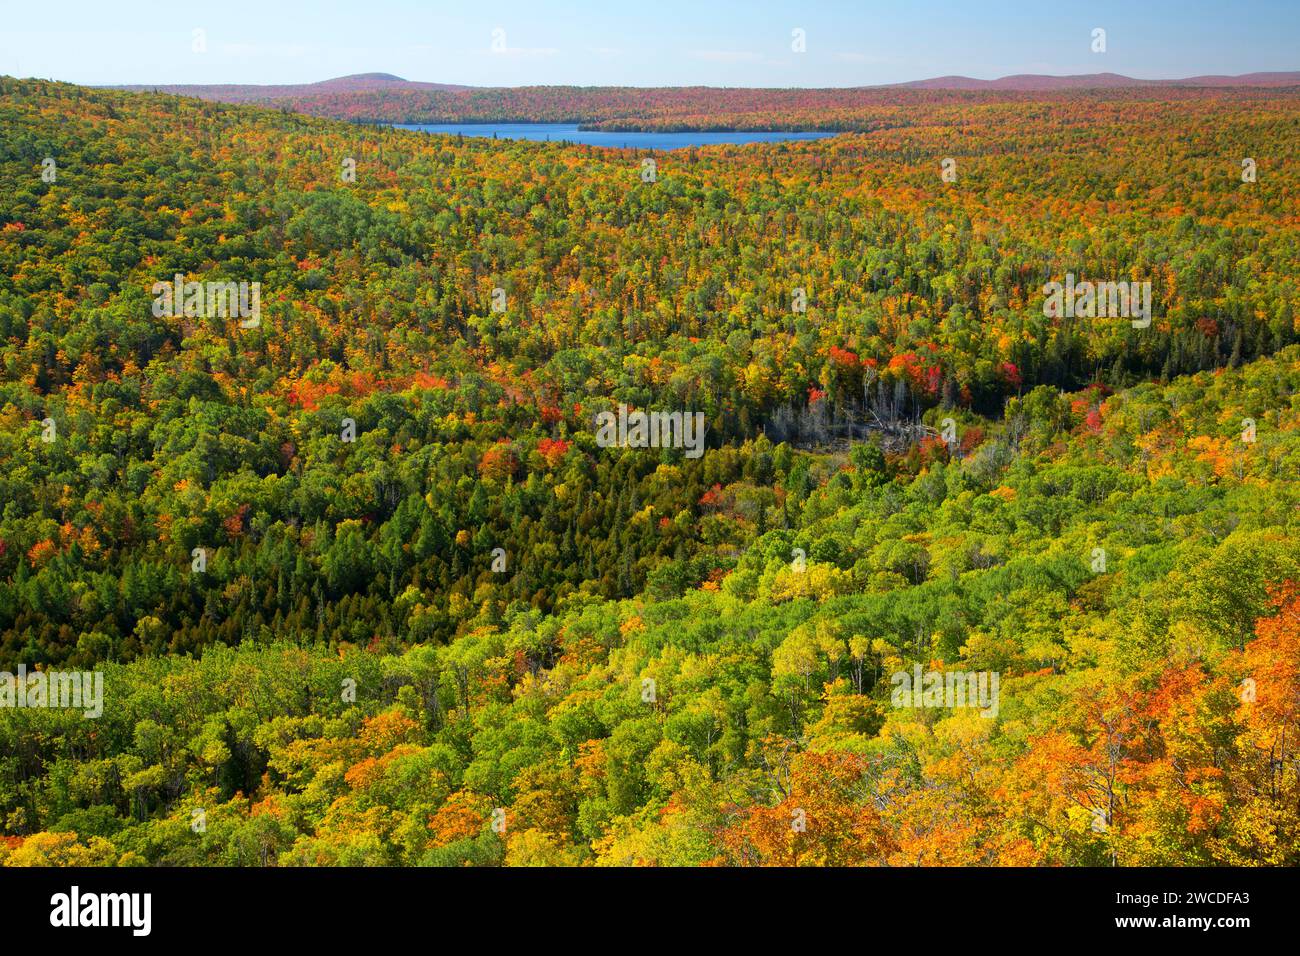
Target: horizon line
452, 86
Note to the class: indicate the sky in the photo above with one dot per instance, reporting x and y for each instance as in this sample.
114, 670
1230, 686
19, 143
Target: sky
635, 43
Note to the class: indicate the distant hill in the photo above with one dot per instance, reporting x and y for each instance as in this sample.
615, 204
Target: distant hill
253, 93
385, 98
1094, 81
370, 83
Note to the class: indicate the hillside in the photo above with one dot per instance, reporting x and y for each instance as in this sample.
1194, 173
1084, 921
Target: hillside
474, 633
1038, 82
385, 98
270, 94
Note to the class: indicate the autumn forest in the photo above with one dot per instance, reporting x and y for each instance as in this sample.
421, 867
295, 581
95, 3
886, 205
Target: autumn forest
367, 585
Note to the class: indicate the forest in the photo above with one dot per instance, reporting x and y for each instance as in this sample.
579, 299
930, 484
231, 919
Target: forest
366, 589
382, 98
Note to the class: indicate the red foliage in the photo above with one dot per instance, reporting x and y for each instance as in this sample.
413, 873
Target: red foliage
552, 450
932, 448
712, 498
971, 439
308, 394
428, 380
844, 358
921, 377
499, 462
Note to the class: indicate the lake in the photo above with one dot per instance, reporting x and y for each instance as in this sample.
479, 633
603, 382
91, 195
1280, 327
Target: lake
566, 132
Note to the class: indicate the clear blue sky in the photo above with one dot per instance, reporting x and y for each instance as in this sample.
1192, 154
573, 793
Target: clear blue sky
650, 43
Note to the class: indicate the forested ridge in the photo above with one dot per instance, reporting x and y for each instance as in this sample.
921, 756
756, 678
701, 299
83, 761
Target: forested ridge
710, 108
432, 645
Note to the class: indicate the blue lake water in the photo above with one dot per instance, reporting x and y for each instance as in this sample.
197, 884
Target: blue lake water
569, 133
